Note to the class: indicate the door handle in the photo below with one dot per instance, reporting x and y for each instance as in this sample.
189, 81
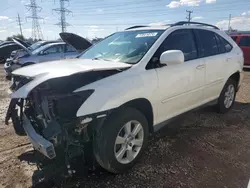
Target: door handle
200, 67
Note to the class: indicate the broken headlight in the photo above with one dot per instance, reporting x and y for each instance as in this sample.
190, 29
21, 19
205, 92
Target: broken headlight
66, 106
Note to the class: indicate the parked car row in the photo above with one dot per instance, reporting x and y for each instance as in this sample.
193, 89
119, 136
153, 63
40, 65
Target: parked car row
44, 51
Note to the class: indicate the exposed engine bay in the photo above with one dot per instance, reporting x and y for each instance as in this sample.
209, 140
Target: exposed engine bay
51, 109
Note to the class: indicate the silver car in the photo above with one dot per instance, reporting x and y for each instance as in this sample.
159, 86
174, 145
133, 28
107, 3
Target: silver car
72, 46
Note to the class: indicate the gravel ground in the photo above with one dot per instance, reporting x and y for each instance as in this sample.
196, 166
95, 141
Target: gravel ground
207, 150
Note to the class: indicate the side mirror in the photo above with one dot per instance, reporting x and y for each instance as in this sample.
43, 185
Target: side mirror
172, 57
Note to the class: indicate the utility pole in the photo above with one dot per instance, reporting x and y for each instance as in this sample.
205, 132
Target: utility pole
36, 29
20, 24
62, 11
189, 15
229, 23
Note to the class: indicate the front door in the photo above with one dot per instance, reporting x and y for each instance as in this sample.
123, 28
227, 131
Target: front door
180, 86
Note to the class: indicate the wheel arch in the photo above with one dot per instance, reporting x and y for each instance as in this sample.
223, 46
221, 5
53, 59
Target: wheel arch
236, 77
144, 106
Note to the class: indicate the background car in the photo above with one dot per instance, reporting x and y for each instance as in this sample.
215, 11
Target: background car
72, 46
6, 49
32, 47
243, 40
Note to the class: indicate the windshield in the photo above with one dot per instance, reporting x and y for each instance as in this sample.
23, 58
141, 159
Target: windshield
127, 47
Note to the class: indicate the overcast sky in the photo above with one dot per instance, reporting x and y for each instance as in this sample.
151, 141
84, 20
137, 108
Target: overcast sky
98, 18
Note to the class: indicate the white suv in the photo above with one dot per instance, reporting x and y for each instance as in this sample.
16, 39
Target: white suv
115, 94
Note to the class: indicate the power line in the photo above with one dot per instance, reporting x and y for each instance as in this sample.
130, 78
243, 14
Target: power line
36, 29
20, 24
189, 15
63, 11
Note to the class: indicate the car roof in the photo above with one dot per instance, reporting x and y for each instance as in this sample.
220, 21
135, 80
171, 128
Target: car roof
159, 27
167, 27
181, 24
11, 44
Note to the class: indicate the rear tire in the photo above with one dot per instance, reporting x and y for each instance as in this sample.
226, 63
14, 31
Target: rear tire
114, 148
227, 96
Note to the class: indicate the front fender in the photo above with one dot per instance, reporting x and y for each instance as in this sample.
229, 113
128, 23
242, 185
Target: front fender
112, 92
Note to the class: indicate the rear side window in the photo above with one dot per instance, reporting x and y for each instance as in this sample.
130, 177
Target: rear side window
245, 41
227, 45
223, 44
180, 40
208, 43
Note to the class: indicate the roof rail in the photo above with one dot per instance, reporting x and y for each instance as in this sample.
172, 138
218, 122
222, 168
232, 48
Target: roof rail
136, 26
194, 23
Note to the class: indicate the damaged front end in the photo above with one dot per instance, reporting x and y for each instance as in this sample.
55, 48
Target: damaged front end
48, 116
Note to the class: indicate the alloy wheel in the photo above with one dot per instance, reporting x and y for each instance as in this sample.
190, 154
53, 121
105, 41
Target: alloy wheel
129, 142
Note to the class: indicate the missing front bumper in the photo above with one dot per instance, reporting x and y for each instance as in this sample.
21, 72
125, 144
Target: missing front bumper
38, 142
23, 126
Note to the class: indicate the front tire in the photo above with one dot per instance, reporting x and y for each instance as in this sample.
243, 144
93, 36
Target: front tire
121, 140
227, 96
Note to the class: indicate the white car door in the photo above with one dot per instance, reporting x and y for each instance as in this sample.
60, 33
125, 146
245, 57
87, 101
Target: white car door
180, 86
213, 51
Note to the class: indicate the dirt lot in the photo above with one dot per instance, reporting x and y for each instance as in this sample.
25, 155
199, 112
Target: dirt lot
209, 150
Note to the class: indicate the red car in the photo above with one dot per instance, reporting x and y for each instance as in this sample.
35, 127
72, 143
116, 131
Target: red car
243, 40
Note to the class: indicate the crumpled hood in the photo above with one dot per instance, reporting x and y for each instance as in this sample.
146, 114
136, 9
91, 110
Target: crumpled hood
68, 67
44, 71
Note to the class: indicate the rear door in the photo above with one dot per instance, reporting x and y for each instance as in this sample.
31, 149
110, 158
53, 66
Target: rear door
213, 52
52, 53
244, 44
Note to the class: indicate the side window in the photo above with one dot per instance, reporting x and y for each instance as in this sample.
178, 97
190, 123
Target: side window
245, 41
223, 45
69, 48
226, 44
54, 49
179, 40
220, 45
208, 43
